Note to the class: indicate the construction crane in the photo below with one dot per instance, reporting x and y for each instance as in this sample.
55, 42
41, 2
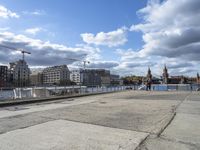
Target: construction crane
21, 50
84, 61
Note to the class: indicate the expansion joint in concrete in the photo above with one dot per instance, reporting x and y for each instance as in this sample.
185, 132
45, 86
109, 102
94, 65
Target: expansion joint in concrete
141, 143
174, 114
162, 130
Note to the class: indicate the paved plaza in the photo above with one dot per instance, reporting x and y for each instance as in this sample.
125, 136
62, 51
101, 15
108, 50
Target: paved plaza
142, 120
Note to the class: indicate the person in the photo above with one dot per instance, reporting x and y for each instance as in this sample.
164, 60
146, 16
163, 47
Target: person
148, 85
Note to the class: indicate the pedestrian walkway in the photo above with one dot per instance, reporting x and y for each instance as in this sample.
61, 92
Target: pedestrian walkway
125, 120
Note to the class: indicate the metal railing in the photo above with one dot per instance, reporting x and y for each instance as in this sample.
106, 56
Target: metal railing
56, 91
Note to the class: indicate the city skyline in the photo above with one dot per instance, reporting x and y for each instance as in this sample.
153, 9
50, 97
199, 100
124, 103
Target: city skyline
125, 36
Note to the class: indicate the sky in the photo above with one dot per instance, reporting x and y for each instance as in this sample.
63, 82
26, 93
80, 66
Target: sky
124, 36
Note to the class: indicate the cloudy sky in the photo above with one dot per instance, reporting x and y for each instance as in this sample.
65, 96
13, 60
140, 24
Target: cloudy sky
125, 36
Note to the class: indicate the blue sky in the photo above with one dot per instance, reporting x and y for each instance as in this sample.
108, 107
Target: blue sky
67, 19
125, 36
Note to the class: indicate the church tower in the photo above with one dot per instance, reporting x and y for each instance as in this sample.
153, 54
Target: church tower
198, 78
149, 75
165, 75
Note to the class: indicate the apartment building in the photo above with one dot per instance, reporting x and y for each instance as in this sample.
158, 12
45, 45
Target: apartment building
3, 76
76, 76
56, 75
20, 73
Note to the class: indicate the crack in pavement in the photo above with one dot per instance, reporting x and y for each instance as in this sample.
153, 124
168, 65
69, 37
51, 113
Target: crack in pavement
170, 121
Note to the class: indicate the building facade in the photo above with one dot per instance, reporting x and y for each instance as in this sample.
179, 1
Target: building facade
96, 77
114, 79
76, 76
36, 79
177, 80
20, 73
90, 78
3, 76
56, 75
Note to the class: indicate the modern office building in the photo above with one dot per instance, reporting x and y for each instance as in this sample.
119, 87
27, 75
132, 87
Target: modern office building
96, 77
105, 76
20, 73
3, 76
56, 75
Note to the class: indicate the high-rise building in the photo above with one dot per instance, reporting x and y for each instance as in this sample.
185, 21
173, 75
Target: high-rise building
56, 75
20, 73
165, 75
3, 76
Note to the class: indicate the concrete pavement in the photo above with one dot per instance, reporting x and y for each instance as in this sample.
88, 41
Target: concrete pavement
125, 120
183, 133
62, 134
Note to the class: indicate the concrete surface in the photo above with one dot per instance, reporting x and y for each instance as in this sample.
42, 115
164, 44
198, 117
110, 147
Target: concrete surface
183, 132
67, 135
185, 127
190, 107
166, 144
170, 119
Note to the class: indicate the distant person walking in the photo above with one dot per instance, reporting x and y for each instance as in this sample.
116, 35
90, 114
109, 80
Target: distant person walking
148, 85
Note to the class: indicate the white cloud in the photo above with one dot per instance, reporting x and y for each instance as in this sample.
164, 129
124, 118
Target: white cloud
103, 64
4, 29
110, 39
38, 12
43, 53
34, 31
6, 13
132, 63
35, 12
170, 30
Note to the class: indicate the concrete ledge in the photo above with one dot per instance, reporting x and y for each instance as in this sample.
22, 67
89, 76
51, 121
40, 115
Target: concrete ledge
6, 103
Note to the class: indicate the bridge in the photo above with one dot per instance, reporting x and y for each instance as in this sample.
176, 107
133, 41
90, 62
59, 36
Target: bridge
125, 120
